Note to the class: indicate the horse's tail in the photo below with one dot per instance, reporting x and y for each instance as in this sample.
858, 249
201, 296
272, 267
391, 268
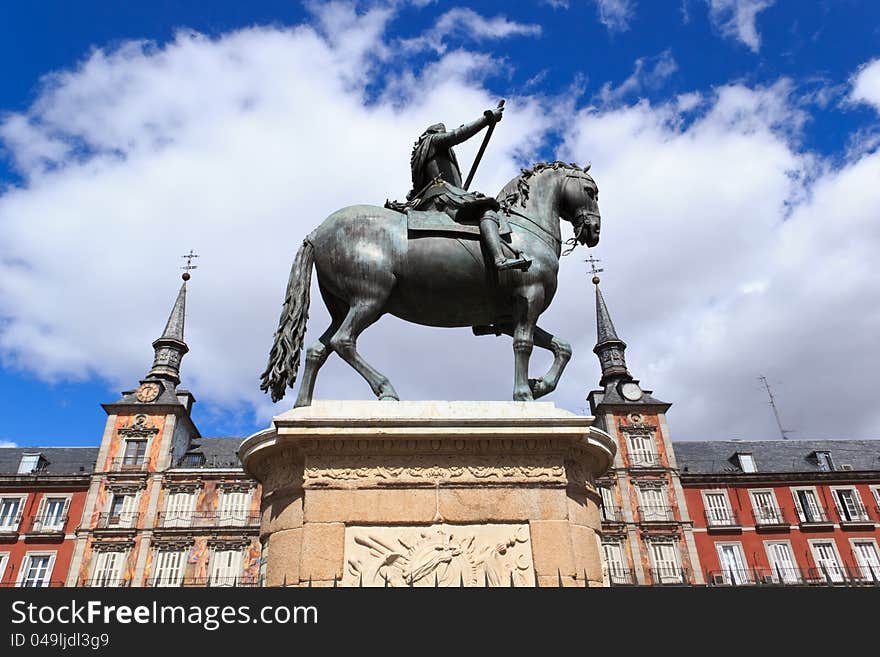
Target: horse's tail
285, 354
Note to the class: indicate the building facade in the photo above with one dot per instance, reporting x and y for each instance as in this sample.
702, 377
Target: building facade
784, 511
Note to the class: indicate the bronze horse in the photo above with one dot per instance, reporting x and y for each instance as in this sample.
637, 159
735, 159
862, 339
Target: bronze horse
369, 264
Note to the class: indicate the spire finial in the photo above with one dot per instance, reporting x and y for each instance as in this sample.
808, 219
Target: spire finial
609, 348
189, 266
593, 269
170, 347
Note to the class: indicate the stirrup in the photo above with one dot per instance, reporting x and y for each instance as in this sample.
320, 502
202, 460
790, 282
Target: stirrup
513, 263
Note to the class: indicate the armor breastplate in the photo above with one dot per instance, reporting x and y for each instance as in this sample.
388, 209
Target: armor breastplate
441, 165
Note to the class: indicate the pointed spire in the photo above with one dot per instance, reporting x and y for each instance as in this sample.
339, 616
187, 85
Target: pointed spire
609, 348
170, 347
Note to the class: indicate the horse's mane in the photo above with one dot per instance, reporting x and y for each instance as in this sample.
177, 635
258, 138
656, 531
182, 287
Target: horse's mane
517, 190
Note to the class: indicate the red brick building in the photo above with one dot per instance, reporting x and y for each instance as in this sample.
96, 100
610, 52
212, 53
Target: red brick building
784, 511
42, 493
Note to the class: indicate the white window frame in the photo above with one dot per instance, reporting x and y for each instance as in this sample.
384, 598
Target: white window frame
39, 517
179, 509
159, 580
790, 574
234, 515
857, 498
655, 512
227, 579
739, 576
128, 511
868, 572
758, 514
609, 511
813, 542
113, 578
799, 509
729, 520
617, 570
744, 458
646, 455
26, 566
19, 514
39, 457
674, 577
875, 491
4, 561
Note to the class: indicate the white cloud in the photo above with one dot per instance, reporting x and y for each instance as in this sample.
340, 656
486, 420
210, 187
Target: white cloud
463, 22
736, 19
648, 73
722, 263
7, 443
615, 14
866, 85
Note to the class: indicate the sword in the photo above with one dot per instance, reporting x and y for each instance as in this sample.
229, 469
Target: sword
482, 150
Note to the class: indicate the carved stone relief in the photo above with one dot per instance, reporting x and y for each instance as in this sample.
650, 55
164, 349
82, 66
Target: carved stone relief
438, 555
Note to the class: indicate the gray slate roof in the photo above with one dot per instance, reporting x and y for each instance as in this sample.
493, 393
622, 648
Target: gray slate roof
218, 452
62, 460
718, 456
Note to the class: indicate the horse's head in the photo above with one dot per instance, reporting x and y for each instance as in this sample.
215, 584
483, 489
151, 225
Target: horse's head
579, 204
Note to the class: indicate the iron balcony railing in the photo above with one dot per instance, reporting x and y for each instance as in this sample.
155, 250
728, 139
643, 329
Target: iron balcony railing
47, 524
172, 519
11, 524
612, 514
241, 581
720, 519
620, 576
110, 581
825, 574
853, 513
40, 584
813, 515
670, 575
122, 520
662, 513
770, 517
130, 464
645, 459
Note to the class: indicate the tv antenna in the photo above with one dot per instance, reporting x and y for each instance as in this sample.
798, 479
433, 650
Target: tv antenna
782, 432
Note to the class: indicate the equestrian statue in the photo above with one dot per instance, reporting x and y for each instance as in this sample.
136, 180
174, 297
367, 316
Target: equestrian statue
446, 257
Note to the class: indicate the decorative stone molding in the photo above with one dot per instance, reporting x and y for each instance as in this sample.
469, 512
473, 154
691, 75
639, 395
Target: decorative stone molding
172, 485
236, 485
138, 428
441, 555
661, 536
124, 485
228, 543
175, 544
112, 546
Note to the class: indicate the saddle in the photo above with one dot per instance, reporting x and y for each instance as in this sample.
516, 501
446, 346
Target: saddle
432, 221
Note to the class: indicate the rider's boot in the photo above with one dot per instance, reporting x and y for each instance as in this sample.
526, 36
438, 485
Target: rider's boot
489, 232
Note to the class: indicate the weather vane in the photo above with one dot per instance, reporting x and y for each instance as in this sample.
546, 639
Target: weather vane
189, 266
595, 271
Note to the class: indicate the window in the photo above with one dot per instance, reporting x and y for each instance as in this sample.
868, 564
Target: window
169, 567
827, 561
654, 505
4, 561
179, 509
234, 507
823, 460
615, 564
135, 450
10, 513
808, 506
225, 568
609, 508
36, 569
718, 513
765, 508
122, 511
867, 558
666, 568
642, 450
733, 564
782, 564
849, 505
109, 568
193, 460
746, 462
52, 514
31, 463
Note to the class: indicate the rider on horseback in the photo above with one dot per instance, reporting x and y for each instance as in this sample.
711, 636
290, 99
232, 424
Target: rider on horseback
437, 185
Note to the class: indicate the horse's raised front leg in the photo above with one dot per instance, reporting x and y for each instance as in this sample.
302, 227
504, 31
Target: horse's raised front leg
561, 355
361, 314
525, 318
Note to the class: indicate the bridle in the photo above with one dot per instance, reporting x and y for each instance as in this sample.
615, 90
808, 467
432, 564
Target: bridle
580, 219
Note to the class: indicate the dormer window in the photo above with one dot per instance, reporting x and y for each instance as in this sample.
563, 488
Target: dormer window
823, 460
746, 462
31, 463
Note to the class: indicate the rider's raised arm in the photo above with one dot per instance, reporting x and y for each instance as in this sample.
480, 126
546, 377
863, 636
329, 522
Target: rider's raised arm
463, 132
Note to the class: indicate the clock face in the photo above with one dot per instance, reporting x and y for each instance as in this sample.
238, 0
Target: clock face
631, 391
147, 392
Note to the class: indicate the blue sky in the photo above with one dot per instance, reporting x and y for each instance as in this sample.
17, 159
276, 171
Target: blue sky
633, 86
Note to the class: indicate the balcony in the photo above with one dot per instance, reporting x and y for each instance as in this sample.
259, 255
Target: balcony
242, 581
195, 519
816, 517
53, 584
9, 528
126, 520
855, 515
656, 514
47, 526
670, 576
130, 464
722, 519
770, 518
110, 581
644, 459
620, 576
612, 515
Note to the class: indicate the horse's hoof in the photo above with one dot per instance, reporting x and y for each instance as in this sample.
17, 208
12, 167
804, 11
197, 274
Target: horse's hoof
539, 387
523, 396
389, 398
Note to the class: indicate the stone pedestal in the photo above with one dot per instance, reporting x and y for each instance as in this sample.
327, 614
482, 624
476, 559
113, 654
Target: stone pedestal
430, 493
